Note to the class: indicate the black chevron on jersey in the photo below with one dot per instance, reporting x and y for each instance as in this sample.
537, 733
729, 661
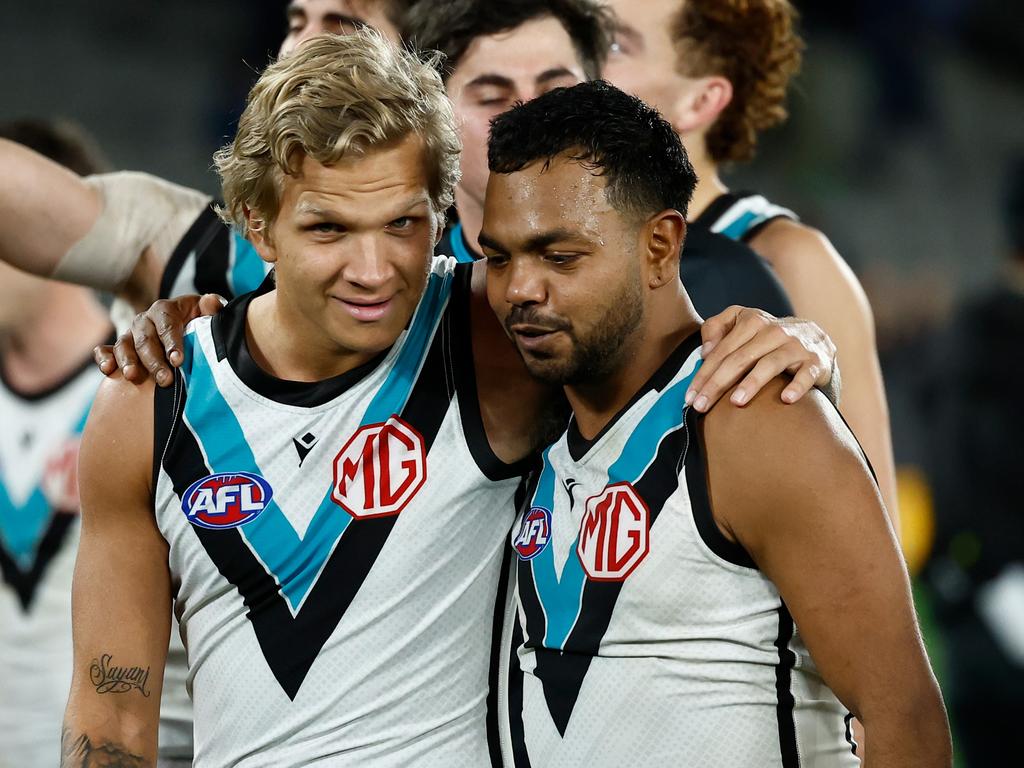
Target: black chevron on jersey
290, 643
25, 583
561, 673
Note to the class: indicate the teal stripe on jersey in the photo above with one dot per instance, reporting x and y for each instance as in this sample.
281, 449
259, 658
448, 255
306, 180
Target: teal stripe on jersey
295, 562
459, 249
391, 397
248, 270
738, 228
560, 597
665, 416
22, 526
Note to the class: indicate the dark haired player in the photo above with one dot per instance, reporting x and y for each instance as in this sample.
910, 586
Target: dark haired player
720, 590
719, 72
498, 52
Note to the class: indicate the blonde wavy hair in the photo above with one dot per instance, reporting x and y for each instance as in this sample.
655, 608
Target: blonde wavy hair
336, 96
754, 44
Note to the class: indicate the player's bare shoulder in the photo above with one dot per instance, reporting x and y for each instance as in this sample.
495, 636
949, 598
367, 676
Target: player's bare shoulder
118, 440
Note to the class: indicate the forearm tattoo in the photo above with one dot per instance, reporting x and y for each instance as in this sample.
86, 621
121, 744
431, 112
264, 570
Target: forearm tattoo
80, 752
106, 677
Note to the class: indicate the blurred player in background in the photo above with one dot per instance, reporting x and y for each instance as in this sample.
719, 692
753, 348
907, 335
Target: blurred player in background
47, 332
137, 236
499, 52
719, 590
718, 70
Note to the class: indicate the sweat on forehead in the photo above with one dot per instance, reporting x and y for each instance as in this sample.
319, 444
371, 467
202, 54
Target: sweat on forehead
612, 133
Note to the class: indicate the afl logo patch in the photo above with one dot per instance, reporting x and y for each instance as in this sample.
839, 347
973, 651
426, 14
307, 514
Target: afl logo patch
534, 533
226, 500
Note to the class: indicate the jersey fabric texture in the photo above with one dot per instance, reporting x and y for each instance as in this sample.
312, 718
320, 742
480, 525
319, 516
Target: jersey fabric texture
644, 636
716, 271
346, 618
39, 529
741, 215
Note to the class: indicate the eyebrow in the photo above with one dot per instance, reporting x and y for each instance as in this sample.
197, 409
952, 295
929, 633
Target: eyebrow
316, 211
490, 79
298, 12
553, 74
535, 244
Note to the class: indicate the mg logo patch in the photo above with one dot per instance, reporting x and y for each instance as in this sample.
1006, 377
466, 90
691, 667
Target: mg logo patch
614, 533
379, 470
534, 533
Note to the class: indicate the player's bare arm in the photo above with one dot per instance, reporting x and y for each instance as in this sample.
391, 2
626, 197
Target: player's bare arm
810, 516
44, 209
114, 232
122, 590
823, 288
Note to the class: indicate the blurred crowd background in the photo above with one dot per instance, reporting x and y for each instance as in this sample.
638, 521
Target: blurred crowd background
905, 145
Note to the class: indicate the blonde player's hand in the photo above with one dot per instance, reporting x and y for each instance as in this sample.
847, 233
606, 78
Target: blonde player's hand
155, 340
751, 347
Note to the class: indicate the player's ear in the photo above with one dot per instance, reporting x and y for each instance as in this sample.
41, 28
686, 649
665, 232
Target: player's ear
699, 106
257, 230
439, 220
665, 234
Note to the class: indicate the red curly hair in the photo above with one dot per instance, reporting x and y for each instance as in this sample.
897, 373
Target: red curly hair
754, 44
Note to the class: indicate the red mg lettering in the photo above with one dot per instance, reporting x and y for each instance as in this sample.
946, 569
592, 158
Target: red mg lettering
614, 533
390, 460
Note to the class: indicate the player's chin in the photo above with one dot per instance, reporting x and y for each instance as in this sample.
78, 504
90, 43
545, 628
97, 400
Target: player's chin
368, 338
550, 369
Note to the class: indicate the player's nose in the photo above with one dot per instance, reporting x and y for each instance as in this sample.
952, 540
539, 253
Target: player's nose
525, 284
368, 264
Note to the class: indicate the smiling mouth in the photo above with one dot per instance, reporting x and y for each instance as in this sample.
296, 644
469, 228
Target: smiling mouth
366, 311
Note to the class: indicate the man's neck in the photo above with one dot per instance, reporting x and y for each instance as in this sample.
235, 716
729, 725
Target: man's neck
50, 345
596, 403
471, 217
287, 346
709, 184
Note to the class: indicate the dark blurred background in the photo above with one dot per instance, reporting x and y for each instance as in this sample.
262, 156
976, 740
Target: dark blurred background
905, 146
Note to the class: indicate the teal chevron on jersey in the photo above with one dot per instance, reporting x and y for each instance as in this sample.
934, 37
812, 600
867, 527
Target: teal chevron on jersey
561, 596
296, 561
293, 560
392, 396
22, 524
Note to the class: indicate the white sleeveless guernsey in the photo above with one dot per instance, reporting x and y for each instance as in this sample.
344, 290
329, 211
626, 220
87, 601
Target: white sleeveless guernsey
335, 547
644, 636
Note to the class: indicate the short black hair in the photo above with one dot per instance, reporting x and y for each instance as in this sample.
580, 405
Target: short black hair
451, 26
60, 140
607, 130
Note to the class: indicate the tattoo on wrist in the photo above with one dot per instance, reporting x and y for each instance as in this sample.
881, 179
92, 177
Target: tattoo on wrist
80, 752
109, 678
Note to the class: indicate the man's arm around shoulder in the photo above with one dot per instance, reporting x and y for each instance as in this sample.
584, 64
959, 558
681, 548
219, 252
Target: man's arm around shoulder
121, 598
790, 484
